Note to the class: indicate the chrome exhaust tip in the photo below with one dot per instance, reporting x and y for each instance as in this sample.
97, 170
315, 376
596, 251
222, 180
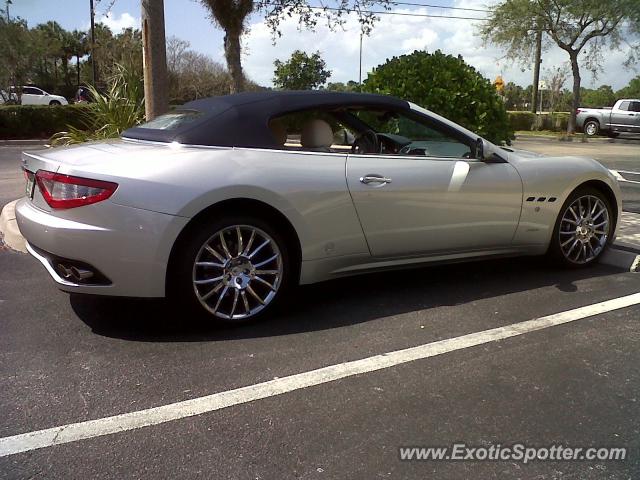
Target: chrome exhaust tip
80, 274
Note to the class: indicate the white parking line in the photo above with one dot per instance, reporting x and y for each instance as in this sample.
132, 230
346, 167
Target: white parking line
188, 408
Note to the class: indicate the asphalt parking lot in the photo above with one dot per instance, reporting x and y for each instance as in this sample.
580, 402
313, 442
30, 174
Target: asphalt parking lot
67, 359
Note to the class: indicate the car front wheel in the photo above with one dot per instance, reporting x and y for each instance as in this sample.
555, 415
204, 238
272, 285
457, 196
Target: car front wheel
233, 270
583, 228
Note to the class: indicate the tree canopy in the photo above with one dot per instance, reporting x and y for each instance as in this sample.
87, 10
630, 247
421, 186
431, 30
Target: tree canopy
582, 28
301, 72
232, 15
445, 85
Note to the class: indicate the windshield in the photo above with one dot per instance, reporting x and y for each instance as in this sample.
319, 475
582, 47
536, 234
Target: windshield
171, 121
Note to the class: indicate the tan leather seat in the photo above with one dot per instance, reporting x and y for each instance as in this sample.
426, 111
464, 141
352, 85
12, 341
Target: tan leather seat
316, 135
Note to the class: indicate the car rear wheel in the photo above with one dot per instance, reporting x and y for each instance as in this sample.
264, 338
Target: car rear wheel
233, 270
591, 128
583, 228
54, 103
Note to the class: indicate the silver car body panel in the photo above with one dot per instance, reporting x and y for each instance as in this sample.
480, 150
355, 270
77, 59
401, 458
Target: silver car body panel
433, 210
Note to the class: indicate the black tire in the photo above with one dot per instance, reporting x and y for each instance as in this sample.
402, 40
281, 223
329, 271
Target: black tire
184, 294
598, 244
591, 128
54, 103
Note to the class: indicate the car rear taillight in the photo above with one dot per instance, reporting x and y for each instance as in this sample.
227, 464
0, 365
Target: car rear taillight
65, 191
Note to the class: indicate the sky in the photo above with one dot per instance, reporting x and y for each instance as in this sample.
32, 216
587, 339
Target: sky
393, 35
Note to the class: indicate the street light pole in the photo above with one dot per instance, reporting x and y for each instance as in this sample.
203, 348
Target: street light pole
536, 69
7, 3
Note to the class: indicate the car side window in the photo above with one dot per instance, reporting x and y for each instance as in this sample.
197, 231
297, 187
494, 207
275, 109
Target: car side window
624, 106
411, 136
31, 91
635, 107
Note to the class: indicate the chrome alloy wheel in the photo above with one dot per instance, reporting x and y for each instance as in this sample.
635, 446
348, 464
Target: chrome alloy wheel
584, 229
237, 272
591, 129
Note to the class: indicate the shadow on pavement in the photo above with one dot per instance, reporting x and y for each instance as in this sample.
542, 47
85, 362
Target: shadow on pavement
335, 303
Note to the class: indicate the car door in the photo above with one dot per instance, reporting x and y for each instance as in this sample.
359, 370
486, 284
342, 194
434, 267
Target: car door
635, 109
32, 96
624, 116
435, 201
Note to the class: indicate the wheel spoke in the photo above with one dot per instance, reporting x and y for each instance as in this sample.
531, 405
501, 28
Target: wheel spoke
575, 217
224, 292
266, 261
575, 242
236, 294
264, 282
224, 245
245, 301
216, 289
209, 264
215, 254
267, 272
262, 245
254, 294
249, 243
598, 214
567, 242
208, 280
239, 240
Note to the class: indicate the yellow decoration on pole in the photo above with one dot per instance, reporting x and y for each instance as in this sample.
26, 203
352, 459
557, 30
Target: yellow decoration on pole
499, 84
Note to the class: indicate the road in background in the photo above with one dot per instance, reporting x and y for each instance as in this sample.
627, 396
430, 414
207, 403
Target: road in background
11, 178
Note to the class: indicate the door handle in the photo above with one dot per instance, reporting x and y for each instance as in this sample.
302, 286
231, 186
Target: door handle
372, 178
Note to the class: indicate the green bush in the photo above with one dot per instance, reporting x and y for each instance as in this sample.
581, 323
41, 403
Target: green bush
524, 121
445, 85
30, 121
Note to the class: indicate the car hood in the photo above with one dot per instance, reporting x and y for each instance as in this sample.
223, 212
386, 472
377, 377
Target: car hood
524, 153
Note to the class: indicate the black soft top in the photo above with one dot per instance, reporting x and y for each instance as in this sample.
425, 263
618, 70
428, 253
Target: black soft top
242, 120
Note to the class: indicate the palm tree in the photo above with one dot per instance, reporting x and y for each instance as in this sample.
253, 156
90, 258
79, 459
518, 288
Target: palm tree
79, 48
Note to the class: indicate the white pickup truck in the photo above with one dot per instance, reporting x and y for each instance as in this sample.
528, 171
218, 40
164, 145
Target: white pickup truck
624, 116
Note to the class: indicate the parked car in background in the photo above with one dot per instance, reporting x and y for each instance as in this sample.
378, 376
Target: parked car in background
83, 95
36, 96
623, 117
225, 202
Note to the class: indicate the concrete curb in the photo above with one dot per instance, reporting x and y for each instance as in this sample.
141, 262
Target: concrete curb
9, 228
25, 142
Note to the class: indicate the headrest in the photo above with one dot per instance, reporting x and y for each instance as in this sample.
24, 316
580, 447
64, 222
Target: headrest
316, 134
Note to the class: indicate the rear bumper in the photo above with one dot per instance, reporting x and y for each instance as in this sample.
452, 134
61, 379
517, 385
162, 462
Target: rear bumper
130, 247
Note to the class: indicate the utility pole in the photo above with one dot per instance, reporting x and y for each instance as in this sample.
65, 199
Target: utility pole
94, 66
7, 3
536, 69
154, 58
360, 74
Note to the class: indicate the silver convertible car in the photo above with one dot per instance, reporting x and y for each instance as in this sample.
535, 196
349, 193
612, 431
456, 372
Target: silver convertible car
225, 203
